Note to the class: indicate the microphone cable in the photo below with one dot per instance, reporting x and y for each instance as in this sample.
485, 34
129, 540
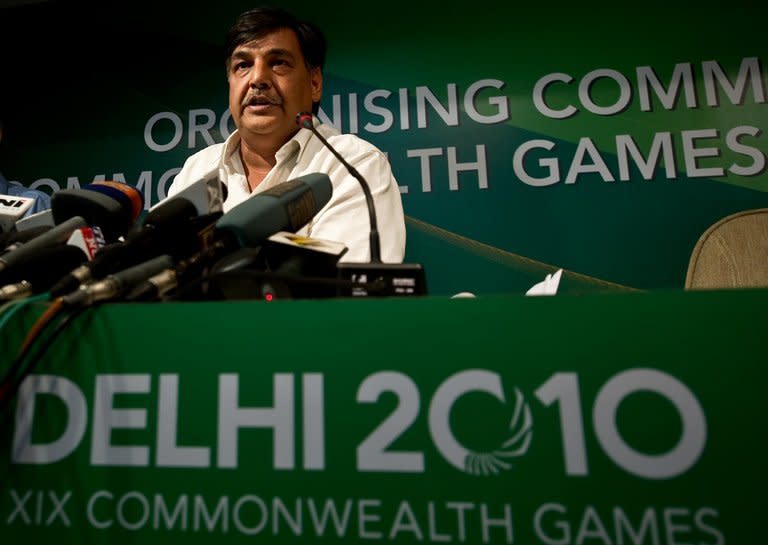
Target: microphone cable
36, 337
71, 306
37, 328
10, 308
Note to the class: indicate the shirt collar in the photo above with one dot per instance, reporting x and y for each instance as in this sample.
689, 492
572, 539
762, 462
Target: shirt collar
297, 143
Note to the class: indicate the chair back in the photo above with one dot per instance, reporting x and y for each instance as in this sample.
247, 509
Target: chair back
732, 253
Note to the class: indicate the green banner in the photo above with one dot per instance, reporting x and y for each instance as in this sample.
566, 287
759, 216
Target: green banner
525, 137
603, 419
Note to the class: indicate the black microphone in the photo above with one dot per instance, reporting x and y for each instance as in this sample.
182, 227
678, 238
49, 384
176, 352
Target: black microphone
112, 206
174, 234
304, 119
186, 271
285, 266
288, 206
374, 278
14, 239
116, 284
41, 270
170, 227
55, 235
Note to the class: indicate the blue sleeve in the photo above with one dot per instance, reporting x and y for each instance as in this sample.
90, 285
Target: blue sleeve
42, 199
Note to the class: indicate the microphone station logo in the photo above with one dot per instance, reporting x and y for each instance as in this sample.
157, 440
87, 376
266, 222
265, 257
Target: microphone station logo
11, 202
11, 209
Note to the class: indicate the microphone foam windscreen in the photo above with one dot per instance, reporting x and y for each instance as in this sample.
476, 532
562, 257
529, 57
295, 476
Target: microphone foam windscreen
285, 207
130, 196
12, 237
171, 212
206, 194
46, 266
99, 205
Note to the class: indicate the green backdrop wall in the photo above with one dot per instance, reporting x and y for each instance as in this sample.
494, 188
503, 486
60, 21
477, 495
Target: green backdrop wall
526, 137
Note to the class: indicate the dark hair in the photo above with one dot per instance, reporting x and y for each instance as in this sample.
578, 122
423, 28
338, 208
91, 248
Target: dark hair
259, 22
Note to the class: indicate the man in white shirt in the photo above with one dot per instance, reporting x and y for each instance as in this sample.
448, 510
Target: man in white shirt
274, 69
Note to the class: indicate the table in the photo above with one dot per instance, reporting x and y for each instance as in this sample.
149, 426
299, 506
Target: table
615, 418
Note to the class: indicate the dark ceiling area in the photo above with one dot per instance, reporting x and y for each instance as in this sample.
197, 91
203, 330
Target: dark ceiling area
58, 57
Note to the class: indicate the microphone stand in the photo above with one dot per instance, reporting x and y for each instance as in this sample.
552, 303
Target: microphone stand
304, 119
375, 277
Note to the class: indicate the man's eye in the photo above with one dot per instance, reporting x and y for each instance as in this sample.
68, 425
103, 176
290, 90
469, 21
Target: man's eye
242, 65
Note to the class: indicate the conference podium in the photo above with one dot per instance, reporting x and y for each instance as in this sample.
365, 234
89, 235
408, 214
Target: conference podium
617, 418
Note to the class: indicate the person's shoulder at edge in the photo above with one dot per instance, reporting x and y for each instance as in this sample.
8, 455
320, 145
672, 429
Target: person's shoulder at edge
197, 166
42, 199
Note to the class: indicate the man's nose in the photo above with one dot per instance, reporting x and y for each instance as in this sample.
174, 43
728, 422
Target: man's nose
260, 76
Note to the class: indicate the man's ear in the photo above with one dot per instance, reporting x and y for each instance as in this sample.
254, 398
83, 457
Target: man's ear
316, 81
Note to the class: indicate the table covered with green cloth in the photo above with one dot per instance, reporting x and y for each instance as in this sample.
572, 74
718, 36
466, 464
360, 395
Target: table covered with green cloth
596, 419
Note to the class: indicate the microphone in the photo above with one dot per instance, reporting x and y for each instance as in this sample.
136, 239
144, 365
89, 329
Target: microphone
287, 206
374, 278
116, 284
285, 266
304, 119
41, 270
207, 195
166, 281
89, 239
131, 197
112, 206
38, 219
55, 235
169, 231
14, 239
170, 227
11, 209
288, 252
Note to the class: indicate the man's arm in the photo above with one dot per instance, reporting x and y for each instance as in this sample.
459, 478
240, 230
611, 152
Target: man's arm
345, 217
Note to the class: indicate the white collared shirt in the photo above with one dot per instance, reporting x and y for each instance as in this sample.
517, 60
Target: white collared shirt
345, 217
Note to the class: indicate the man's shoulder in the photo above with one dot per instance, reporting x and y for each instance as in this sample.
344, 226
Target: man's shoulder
197, 166
352, 144
206, 157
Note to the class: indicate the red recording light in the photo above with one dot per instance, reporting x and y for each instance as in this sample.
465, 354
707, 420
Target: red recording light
268, 297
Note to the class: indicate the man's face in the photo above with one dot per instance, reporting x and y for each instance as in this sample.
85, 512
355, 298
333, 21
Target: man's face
269, 83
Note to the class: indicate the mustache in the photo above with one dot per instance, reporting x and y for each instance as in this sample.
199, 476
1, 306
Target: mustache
261, 97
